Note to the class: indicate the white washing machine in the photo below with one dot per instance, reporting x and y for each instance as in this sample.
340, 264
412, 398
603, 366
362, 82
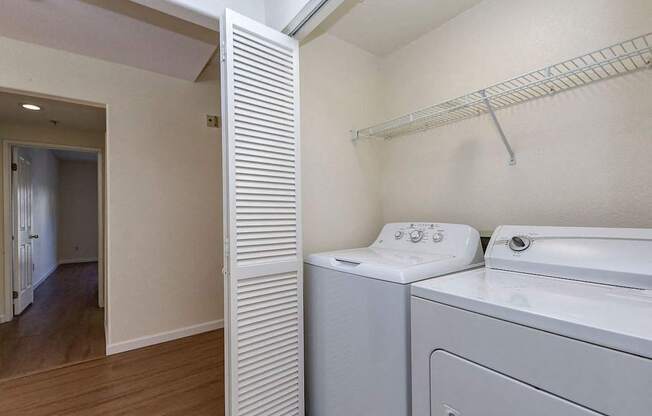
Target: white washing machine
559, 322
357, 315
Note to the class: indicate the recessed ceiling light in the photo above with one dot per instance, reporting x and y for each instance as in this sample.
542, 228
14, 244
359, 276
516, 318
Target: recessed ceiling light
31, 107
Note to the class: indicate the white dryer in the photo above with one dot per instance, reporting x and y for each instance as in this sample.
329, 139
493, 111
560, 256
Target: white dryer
559, 322
357, 315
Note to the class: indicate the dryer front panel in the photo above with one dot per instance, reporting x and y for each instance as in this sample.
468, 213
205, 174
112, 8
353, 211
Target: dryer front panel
603, 380
461, 388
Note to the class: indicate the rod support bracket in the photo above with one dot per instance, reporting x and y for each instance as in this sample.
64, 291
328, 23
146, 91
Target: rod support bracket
354, 135
501, 133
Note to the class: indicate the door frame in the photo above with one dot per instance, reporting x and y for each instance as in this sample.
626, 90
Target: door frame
7, 145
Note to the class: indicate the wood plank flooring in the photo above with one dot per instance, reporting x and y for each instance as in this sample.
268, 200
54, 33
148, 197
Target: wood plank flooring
182, 377
64, 324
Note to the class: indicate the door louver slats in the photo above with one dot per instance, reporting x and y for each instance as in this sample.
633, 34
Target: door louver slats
263, 268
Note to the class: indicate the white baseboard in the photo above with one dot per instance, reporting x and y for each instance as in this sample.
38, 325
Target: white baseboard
46, 275
78, 260
141, 342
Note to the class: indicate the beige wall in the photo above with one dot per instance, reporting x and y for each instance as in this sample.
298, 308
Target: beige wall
51, 135
40, 134
583, 157
77, 218
340, 90
163, 204
163, 173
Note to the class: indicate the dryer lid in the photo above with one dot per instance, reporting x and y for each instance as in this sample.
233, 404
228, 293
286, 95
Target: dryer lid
614, 317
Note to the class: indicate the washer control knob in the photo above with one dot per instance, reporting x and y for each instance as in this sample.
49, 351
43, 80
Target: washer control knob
398, 235
416, 236
519, 243
437, 237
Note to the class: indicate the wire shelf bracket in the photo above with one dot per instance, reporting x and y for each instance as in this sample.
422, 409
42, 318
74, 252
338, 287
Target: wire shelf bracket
618, 59
501, 133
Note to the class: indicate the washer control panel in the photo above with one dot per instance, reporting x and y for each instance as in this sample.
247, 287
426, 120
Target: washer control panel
419, 232
452, 240
416, 236
427, 237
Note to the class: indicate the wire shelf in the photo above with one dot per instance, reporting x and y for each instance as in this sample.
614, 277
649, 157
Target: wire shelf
618, 59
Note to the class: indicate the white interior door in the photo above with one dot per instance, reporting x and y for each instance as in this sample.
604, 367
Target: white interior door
262, 221
23, 233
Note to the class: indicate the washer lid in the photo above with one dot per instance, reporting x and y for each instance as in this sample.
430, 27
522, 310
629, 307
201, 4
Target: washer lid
408, 252
610, 316
397, 266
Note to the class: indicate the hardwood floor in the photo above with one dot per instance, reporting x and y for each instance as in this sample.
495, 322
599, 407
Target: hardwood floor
182, 377
64, 324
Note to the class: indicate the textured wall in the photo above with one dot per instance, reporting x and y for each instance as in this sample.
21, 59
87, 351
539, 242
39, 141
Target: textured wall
583, 156
340, 88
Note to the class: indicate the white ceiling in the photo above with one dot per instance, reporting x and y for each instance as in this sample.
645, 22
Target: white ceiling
207, 13
382, 26
66, 114
121, 31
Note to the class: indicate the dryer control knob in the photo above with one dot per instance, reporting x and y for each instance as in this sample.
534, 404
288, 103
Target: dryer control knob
416, 236
437, 237
519, 243
398, 235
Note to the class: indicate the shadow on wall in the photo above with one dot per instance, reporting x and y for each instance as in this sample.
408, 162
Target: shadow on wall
77, 222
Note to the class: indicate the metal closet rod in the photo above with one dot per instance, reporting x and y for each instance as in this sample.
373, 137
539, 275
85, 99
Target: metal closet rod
618, 59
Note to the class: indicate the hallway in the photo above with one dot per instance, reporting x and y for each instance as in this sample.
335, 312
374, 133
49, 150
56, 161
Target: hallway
63, 326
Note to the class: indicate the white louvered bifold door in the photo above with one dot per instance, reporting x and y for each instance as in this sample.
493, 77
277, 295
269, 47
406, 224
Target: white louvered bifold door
262, 227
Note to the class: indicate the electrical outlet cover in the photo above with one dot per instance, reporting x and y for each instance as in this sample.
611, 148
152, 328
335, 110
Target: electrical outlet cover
212, 121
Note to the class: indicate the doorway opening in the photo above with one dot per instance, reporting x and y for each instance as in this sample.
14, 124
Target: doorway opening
52, 303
